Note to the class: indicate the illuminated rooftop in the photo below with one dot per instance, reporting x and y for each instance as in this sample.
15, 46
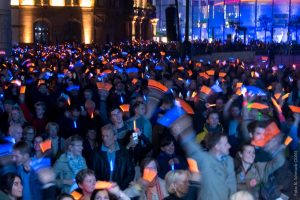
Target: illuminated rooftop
56, 3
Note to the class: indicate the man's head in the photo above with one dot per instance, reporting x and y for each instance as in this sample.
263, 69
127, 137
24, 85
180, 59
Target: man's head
116, 116
40, 108
109, 135
218, 143
256, 129
139, 109
213, 119
167, 145
22, 152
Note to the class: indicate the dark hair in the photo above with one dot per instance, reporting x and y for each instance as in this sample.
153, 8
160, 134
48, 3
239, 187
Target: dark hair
238, 160
82, 174
214, 111
255, 124
212, 139
23, 147
166, 140
93, 196
7, 182
64, 195
145, 162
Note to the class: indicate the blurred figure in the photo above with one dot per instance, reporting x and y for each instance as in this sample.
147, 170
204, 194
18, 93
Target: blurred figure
111, 193
242, 195
11, 187
32, 186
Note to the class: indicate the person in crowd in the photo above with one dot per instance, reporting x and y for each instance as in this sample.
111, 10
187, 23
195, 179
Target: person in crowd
86, 182
11, 187
16, 132
139, 109
57, 142
232, 119
111, 193
211, 126
218, 175
37, 152
168, 159
16, 116
29, 134
180, 187
123, 129
112, 162
39, 120
72, 123
69, 163
242, 195
90, 144
157, 188
31, 184
250, 175
65, 196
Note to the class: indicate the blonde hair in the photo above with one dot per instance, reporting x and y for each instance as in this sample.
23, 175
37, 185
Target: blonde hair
242, 195
171, 177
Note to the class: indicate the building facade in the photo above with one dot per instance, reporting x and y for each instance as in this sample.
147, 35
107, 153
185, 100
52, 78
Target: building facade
277, 20
86, 21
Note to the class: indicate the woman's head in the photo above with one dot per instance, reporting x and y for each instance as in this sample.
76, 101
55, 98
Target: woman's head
75, 145
38, 139
149, 163
100, 195
247, 154
16, 115
52, 129
177, 182
86, 180
12, 185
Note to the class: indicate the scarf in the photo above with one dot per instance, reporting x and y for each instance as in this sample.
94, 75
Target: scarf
76, 163
153, 191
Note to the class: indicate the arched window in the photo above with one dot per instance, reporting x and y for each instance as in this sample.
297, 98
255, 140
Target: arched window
41, 32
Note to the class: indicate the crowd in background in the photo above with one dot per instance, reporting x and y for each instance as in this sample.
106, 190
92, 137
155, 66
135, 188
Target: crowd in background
110, 115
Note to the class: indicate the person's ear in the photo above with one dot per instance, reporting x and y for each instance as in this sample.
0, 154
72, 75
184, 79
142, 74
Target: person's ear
251, 135
240, 154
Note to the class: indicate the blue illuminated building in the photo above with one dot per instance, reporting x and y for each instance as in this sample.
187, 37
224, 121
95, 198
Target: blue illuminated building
277, 20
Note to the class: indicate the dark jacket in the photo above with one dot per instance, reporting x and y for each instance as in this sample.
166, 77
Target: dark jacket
123, 172
165, 167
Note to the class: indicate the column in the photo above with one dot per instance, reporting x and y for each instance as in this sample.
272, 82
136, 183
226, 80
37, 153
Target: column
5, 28
154, 24
133, 31
87, 25
141, 28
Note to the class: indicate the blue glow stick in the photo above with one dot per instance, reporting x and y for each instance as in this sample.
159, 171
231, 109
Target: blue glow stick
111, 166
75, 124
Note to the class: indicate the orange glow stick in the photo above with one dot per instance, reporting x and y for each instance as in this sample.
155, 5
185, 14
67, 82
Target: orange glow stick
76, 195
46, 145
205, 89
125, 107
288, 140
295, 109
149, 174
22, 89
193, 166
103, 185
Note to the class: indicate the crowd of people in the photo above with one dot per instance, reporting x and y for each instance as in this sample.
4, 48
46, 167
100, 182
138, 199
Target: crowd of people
135, 121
